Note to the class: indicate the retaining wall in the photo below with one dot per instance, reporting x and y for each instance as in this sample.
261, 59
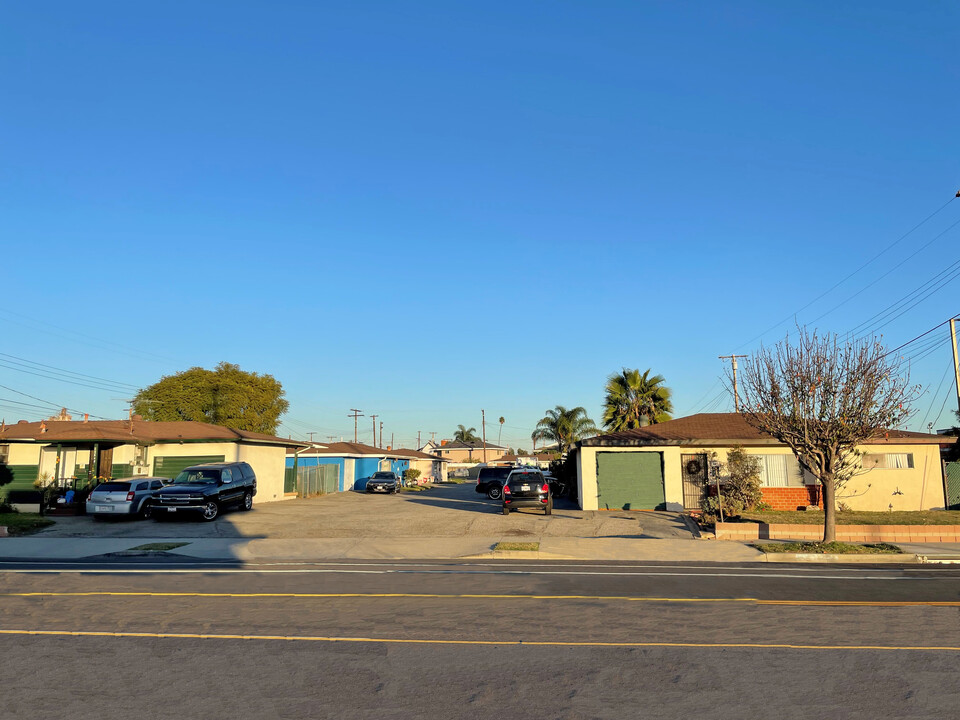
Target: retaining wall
845, 533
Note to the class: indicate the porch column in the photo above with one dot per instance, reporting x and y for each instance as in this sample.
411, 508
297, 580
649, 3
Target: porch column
57, 472
96, 463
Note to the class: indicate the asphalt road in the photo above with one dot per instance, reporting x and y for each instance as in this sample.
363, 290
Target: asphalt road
443, 640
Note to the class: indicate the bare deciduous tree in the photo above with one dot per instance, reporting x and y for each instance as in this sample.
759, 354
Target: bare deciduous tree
823, 397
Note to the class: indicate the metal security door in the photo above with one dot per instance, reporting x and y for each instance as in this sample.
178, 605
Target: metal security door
694, 480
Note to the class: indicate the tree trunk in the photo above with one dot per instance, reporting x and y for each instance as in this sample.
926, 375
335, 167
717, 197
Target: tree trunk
829, 509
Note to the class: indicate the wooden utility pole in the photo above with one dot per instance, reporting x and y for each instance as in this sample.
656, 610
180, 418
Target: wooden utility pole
418, 439
483, 425
311, 434
391, 438
953, 344
381, 436
375, 429
736, 395
356, 414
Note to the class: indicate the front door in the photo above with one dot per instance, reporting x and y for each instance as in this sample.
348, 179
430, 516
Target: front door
694, 480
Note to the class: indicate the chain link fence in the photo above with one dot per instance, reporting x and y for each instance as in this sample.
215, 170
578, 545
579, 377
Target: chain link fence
318, 480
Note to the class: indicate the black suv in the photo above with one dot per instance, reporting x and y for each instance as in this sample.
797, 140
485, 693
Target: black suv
527, 488
205, 490
490, 480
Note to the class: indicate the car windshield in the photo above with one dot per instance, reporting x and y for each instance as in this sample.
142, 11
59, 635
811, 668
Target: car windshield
112, 486
382, 476
201, 475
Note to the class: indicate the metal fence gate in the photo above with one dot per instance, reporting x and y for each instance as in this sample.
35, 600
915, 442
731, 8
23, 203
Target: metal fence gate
318, 480
952, 475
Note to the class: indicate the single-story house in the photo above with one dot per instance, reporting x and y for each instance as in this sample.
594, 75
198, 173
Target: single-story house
469, 451
666, 466
61, 451
431, 467
356, 462
540, 460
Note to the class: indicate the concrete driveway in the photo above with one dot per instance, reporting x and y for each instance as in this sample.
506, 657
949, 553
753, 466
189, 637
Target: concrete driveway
445, 511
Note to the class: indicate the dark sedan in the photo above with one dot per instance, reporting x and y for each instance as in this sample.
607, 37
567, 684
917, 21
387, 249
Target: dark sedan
383, 481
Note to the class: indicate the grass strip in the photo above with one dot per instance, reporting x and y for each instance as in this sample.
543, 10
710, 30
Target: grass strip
159, 547
23, 523
829, 548
529, 546
856, 517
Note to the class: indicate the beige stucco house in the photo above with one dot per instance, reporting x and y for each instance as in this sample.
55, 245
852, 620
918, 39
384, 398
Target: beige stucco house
666, 466
62, 451
459, 451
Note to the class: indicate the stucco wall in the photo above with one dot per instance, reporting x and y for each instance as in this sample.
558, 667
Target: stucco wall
24, 454
267, 462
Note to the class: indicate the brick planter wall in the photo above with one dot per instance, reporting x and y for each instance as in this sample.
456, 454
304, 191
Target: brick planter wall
791, 498
845, 533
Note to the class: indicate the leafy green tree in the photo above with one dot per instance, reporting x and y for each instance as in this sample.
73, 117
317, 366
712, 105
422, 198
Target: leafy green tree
464, 434
564, 427
634, 400
225, 396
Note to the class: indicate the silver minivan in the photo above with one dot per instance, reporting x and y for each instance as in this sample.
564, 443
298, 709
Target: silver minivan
124, 498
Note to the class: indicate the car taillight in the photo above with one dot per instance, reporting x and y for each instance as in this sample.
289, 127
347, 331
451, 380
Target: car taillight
506, 489
130, 496
545, 488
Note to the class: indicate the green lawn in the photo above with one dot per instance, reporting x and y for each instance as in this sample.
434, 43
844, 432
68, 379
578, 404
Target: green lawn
23, 523
808, 517
832, 548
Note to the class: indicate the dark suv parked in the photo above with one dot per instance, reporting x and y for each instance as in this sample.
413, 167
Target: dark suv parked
527, 488
205, 490
490, 480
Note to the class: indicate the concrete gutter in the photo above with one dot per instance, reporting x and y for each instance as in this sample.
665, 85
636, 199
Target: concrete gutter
842, 558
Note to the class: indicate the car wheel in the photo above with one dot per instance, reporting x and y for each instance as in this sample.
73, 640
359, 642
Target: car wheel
247, 503
146, 511
495, 492
548, 508
506, 511
211, 509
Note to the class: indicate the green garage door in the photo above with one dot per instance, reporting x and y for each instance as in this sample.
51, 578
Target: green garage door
630, 481
172, 465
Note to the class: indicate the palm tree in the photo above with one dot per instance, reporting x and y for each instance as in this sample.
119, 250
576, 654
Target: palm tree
634, 400
464, 434
500, 431
564, 427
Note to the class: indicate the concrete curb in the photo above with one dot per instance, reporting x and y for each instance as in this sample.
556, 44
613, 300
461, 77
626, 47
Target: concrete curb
518, 555
845, 558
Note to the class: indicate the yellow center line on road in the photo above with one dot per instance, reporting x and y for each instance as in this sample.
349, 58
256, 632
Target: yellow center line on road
534, 643
440, 596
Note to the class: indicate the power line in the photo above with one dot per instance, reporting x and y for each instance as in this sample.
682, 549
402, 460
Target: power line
933, 398
908, 342
52, 404
32, 363
890, 272
844, 279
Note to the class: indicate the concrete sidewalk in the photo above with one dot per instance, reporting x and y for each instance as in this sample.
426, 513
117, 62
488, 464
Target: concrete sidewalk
427, 548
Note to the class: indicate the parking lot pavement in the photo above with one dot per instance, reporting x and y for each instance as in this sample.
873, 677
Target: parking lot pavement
444, 511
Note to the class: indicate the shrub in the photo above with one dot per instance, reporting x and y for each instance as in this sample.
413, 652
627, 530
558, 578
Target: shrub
740, 489
411, 476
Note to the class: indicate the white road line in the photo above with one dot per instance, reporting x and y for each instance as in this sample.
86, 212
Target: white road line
242, 571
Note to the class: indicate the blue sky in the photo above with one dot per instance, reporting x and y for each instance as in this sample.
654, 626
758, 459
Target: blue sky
424, 209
